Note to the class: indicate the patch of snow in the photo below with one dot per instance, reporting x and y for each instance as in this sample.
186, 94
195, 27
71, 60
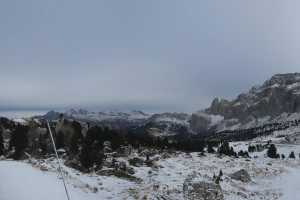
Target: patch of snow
20, 120
293, 86
275, 85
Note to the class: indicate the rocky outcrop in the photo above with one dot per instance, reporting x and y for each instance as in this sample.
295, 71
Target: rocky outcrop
241, 175
201, 190
137, 162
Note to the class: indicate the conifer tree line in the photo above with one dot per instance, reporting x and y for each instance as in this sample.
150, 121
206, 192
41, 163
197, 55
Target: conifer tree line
250, 133
89, 149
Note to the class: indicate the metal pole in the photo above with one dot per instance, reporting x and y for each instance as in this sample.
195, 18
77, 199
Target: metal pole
59, 165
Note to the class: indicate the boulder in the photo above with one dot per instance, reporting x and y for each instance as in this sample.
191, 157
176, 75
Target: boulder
122, 166
44, 168
166, 155
73, 163
241, 175
201, 190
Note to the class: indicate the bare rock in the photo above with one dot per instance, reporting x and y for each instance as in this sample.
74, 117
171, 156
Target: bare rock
137, 162
124, 151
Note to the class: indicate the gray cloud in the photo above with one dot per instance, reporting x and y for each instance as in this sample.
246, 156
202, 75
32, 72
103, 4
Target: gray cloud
153, 55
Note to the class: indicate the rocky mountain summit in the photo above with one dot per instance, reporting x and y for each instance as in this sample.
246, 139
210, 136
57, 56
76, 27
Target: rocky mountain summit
277, 99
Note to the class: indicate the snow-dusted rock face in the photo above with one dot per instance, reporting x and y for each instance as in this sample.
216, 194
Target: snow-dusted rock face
167, 124
276, 97
176, 118
279, 94
203, 122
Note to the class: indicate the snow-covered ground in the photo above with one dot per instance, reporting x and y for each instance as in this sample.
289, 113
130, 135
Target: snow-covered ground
271, 178
21, 181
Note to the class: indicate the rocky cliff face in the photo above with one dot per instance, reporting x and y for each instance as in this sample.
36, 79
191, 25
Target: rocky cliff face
276, 97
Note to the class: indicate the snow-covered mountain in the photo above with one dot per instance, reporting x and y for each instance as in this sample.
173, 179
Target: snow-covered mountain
109, 115
162, 124
276, 100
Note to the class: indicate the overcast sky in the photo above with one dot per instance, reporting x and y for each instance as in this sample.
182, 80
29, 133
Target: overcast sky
158, 55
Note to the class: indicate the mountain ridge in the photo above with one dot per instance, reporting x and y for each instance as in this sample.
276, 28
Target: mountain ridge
277, 99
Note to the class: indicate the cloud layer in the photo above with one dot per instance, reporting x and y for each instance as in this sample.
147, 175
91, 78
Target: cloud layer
154, 55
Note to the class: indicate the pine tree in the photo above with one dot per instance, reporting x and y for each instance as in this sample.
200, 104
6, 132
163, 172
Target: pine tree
19, 140
91, 154
1, 143
60, 140
272, 152
76, 138
292, 155
86, 158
